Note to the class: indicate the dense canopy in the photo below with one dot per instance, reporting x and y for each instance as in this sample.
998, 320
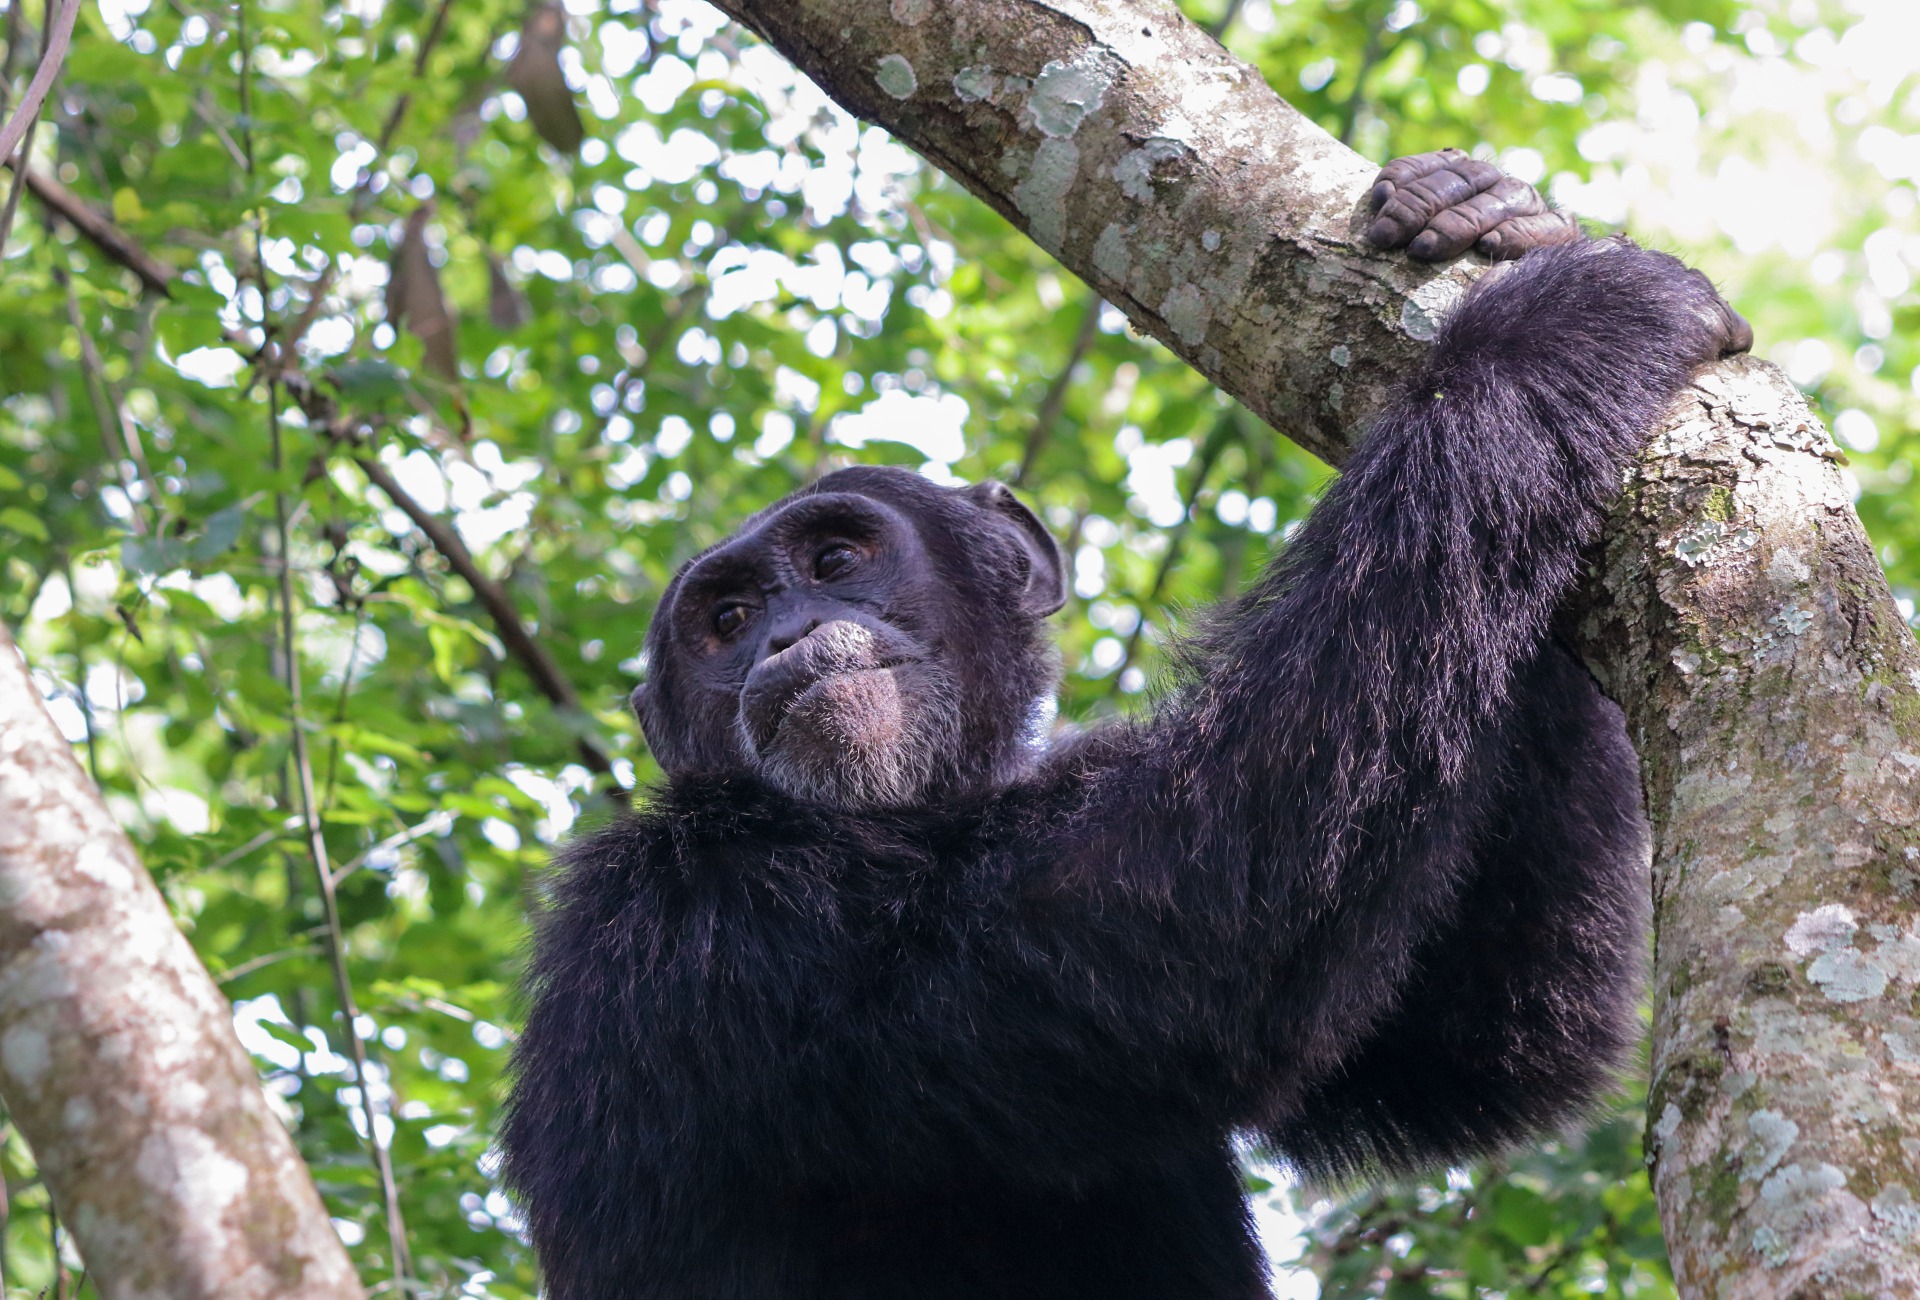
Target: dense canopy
486, 317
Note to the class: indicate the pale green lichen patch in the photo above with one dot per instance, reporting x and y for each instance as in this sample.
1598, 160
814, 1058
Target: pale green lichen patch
1848, 976
1110, 255
1841, 970
973, 84
896, 76
1136, 169
1066, 93
1698, 542
1187, 313
1793, 620
1426, 306
1042, 195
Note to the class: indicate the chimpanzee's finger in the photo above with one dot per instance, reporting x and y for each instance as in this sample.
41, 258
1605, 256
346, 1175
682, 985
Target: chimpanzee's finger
1518, 235
1460, 225
1407, 209
1404, 171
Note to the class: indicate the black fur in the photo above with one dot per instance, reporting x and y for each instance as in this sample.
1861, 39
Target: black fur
1368, 887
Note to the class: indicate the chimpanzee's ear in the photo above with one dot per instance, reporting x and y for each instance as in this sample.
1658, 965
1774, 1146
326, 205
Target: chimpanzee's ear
1046, 586
654, 726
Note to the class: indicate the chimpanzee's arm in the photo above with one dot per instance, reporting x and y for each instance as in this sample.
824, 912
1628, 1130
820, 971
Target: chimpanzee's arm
1520, 1004
1320, 792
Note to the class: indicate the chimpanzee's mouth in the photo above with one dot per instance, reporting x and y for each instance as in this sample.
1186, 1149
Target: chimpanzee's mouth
836, 680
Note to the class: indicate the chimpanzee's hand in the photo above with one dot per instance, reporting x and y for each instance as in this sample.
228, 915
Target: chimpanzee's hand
1438, 205
1726, 332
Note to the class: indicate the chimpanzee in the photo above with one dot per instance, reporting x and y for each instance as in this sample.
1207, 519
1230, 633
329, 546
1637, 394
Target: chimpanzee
886, 994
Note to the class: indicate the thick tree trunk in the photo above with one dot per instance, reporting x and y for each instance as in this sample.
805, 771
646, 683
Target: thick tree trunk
1770, 683
118, 1060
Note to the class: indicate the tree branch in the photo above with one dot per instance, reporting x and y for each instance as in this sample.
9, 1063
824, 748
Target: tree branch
1740, 618
1161, 170
520, 643
114, 243
1056, 394
54, 53
118, 1060
377, 1147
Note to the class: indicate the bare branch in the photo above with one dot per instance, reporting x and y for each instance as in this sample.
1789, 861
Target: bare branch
1056, 396
323, 873
53, 54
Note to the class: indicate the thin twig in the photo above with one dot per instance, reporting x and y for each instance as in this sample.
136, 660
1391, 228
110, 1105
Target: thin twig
19, 184
53, 1236
14, 30
519, 642
340, 705
1056, 396
114, 243
1224, 430
413, 1002
323, 874
1218, 27
259, 841
435, 824
80, 679
264, 960
117, 437
53, 54
30, 106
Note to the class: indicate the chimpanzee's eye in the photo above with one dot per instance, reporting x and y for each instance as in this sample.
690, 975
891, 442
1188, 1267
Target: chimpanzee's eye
835, 561
731, 617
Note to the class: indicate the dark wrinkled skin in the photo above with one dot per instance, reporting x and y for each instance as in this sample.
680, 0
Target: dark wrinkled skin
884, 996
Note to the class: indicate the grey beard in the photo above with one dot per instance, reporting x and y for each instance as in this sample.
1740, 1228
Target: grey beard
844, 760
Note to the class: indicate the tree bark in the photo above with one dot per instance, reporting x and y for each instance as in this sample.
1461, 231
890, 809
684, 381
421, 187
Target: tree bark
1739, 615
118, 1060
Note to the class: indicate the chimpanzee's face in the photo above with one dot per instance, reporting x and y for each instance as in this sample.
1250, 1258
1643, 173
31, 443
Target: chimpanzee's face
863, 643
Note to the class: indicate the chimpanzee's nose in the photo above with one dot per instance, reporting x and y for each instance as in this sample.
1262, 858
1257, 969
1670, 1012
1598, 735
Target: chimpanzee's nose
790, 631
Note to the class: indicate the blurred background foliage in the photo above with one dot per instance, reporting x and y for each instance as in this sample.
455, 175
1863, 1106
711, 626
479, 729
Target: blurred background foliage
486, 318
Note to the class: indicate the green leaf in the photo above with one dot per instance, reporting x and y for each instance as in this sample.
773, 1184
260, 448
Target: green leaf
16, 520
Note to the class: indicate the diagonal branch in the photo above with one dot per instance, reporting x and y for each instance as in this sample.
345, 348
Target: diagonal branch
59, 36
1056, 395
114, 243
122, 1068
540, 665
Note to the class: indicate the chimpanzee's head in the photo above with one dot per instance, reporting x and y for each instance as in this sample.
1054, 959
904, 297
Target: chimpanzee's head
870, 641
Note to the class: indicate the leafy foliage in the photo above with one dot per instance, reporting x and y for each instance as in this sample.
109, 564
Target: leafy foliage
388, 259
